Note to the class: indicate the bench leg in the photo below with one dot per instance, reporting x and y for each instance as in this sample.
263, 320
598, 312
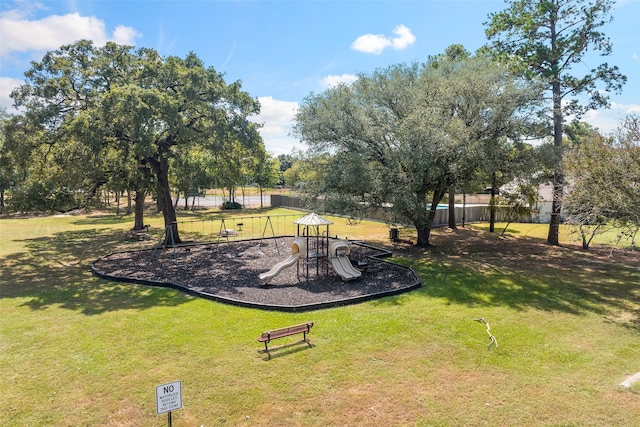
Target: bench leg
266, 348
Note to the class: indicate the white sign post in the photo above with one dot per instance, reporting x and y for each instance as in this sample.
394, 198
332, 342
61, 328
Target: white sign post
169, 398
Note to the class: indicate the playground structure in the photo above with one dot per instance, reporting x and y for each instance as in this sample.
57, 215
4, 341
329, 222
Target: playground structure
339, 250
227, 267
312, 249
298, 247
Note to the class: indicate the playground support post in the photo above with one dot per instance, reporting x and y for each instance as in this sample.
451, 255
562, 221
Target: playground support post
168, 231
273, 233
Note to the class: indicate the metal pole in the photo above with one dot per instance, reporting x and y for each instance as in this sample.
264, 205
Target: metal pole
464, 208
173, 242
169, 418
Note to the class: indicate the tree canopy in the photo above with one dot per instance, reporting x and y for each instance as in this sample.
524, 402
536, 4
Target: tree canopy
549, 39
605, 181
82, 102
403, 135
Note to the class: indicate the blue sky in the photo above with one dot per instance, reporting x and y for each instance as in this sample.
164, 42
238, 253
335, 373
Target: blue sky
284, 50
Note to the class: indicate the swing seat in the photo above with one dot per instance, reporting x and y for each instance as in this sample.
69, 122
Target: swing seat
227, 232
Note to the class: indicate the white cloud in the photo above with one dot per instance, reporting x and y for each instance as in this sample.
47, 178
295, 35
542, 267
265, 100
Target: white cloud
376, 43
626, 108
20, 34
277, 119
278, 111
605, 120
226, 61
370, 43
7, 85
404, 39
608, 120
332, 81
125, 35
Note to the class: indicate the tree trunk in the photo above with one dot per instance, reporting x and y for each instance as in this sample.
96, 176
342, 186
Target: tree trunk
117, 203
585, 242
261, 191
556, 208
164, 202
129, 204
138, 222
464, 209
175, 204
558, 175
492, 205
424, 222
424, 233
452, 208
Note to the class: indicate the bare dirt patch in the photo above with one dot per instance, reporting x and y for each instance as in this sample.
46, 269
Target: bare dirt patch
515, 254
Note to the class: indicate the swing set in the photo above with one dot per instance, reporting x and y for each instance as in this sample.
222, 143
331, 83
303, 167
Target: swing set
229, 229
225, 233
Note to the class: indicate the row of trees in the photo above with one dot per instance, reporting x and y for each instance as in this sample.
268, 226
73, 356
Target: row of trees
130, 120
405, 136
409, 134
604, 180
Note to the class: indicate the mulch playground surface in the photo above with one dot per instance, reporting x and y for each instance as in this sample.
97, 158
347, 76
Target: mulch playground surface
228, 272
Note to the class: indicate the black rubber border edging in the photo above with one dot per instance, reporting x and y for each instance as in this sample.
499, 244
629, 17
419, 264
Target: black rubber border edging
271, 307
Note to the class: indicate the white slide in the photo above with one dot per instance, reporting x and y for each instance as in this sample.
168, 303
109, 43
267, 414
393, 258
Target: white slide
299, 247
343, 268
276, 269
339, 250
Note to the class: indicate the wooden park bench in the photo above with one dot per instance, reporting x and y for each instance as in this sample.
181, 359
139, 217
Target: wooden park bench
273, 334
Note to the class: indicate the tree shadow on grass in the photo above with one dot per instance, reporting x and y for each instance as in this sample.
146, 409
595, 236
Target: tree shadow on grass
477, 269
499, 230
391, 301
56, 271
106, 219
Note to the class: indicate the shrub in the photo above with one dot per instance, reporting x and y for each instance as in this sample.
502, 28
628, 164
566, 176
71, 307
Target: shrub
231, 206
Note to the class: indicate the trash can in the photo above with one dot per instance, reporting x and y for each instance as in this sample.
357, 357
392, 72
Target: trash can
393, 234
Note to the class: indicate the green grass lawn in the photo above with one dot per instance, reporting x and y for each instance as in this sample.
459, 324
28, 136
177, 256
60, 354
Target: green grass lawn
76, 350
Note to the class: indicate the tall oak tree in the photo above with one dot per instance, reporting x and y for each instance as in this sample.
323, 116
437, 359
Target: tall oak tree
137, 102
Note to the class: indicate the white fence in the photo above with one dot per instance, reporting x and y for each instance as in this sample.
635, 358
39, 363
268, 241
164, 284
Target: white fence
468, 213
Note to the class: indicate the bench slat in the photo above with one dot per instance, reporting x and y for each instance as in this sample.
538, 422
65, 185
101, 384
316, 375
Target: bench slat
272, 334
